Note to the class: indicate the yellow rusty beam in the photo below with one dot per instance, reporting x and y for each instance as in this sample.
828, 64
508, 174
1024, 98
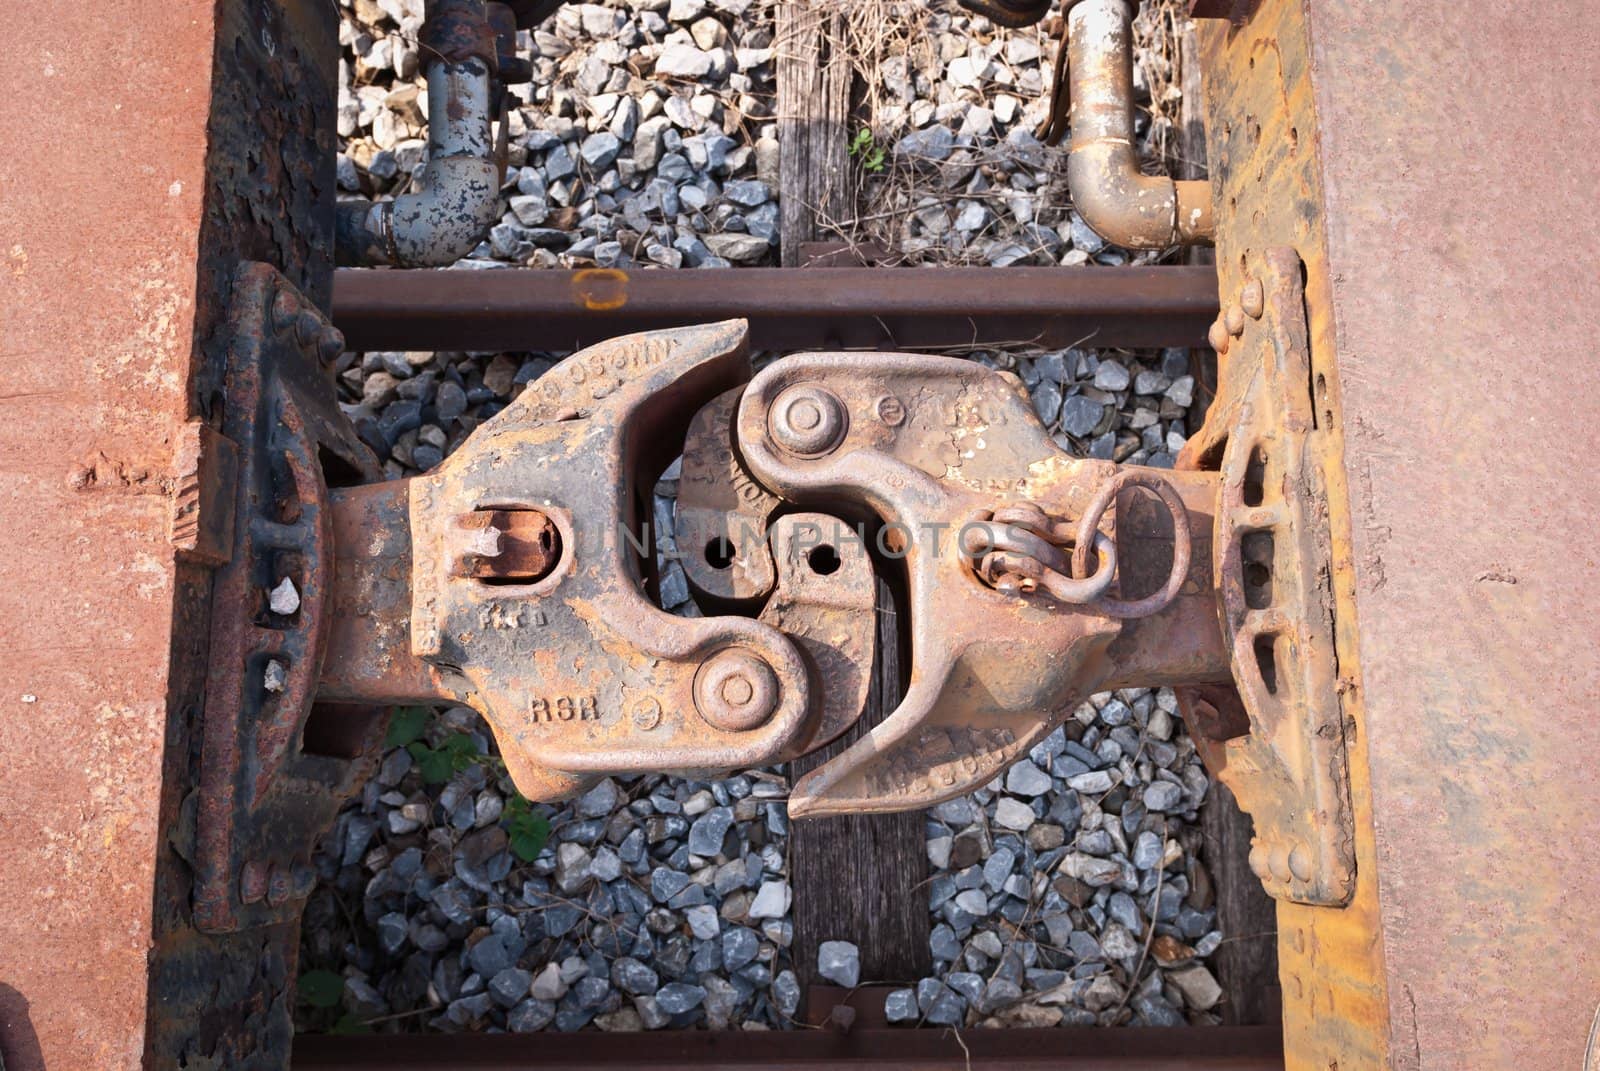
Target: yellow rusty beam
1262, 144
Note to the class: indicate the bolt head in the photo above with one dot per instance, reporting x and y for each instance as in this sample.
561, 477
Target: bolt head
807, 420
736, 690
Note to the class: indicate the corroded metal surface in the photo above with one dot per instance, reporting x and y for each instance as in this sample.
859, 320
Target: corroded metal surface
457, 198
577, 670
368, 656
720, 524
268, 781
1265, 149
1289, 770
788, 308
1475, 579
92, 406
1122, 204
929, 445
114, 350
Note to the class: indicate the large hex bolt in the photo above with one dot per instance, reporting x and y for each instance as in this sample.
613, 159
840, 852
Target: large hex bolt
736, 690
807, 420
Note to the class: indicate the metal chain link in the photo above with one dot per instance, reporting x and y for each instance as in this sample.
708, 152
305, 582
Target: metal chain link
1018, 549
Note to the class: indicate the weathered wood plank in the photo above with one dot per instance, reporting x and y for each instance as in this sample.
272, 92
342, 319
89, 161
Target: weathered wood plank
856, 878
860, 878
813, 72
1246, 965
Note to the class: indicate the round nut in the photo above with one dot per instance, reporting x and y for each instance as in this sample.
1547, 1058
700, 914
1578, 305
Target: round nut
736, 690
807, 420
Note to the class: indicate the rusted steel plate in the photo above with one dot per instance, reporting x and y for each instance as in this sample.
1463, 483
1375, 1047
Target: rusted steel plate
939, 449
788, 308
1262, 142
270, 780
1453, 242
368, 656
1132, 1049
1288, 764
94, 380
720, 524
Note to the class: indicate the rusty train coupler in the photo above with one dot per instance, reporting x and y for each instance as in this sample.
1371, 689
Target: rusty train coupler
519, 578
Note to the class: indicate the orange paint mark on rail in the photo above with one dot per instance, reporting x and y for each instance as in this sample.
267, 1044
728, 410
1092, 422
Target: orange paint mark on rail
601, 289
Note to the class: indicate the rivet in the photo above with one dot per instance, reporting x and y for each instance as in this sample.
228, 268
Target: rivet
1278, 862
330, 343
1235, 320
736, 690
279, 883
807, 420
1218, 337
891, 410
647, 713
252, 882
1252, 299
284, 307
1300, 862
308, 328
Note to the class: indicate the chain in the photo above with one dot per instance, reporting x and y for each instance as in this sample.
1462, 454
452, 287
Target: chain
1019, 549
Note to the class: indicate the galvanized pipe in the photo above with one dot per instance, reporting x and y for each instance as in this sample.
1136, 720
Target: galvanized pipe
1121, 204
458, 198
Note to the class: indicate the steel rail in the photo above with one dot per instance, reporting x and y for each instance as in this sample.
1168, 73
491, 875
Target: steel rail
1072, 1049
788, 308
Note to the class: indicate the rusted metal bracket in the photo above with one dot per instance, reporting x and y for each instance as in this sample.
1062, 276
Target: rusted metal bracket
720, 526
940, 449
526, 575
1286, 760
273, 770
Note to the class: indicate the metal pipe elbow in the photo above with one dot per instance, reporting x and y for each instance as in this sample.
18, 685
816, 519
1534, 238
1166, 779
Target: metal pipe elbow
1114, 197
458, 196
430, 228
1132, 209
